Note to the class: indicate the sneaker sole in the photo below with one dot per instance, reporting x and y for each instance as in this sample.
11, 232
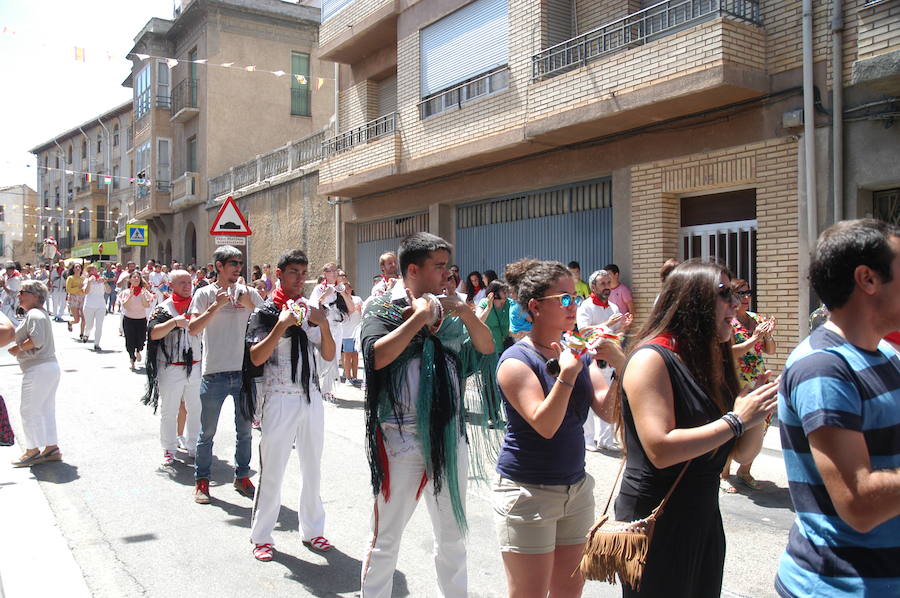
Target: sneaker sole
201, 501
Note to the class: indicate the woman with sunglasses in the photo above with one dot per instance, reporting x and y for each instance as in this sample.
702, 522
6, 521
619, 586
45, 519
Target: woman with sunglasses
752, 338
544, 498
681, 410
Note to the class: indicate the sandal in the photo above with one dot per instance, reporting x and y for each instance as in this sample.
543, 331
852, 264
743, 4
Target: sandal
749, 481
726, 486
28, 461
318, 544
263, 552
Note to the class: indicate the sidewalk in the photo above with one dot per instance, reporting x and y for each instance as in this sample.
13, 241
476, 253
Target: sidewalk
35, 559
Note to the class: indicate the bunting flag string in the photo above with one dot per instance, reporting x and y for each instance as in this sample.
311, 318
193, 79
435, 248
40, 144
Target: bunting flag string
102, 177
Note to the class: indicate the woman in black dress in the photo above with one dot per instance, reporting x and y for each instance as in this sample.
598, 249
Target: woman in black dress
679, 403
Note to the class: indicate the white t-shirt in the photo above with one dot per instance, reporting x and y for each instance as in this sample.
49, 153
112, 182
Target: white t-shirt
590, 314
277, 375
157, 279
95, 297
223, 337
351, 324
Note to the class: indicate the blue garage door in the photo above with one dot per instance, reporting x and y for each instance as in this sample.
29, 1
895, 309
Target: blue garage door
567, 223
375, 238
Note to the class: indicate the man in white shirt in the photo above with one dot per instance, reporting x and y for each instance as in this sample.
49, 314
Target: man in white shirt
292, 413
10, 283
595, 311
57, 285
220, 312
94, 305
158, 280
388, 265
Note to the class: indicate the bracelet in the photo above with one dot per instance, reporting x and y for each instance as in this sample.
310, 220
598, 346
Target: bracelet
734, 422
563, 382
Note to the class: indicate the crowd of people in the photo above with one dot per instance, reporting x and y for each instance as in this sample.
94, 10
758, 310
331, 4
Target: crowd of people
682, 397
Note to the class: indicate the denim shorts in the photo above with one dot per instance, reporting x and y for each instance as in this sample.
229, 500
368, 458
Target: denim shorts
535, 518
348, 345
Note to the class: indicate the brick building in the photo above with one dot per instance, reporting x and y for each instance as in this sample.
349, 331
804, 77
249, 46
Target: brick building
607, 130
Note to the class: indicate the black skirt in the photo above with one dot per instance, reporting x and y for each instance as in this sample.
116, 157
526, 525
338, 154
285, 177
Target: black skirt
135, 334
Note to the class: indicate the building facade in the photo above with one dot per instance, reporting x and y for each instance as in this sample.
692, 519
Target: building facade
611, 131
85, 177
195, 120
18, 224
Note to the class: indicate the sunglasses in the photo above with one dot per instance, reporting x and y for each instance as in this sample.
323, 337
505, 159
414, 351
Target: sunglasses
745, 293
725, 292
234, 263
565, 299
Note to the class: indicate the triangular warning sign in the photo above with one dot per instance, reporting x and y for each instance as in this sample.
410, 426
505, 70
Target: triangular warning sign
230, 221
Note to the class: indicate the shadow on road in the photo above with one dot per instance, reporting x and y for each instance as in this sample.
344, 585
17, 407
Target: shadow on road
339, 576
348, 404
55, 472
769, 496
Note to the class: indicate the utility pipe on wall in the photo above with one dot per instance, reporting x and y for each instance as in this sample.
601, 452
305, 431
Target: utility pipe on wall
338, 249
108, 169
837, 107
809, 127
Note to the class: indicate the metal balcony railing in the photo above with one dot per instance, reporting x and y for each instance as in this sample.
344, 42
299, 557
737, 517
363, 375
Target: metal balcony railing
293, 156
381, 126
184, 95
635, 29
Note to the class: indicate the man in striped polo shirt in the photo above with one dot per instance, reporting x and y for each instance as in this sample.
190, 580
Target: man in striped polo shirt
839, 407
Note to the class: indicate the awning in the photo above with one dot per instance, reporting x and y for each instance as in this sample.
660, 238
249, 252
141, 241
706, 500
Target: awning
107, 248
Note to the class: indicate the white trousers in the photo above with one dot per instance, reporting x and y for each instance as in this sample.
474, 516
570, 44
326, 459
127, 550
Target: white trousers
406, 467
287, 419
175, 387
598, 432
58, 300
93, 319
38, 405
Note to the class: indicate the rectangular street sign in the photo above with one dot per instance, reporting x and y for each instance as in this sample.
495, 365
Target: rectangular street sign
223, 240
136, 234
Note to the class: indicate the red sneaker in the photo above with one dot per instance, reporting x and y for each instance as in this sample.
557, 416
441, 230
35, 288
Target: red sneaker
244, 487
201, 492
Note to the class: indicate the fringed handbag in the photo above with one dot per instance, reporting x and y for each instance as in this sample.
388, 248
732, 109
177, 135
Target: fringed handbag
7, 438
619, 548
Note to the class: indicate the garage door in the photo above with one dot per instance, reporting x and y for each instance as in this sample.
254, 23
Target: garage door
376, 238
573, 222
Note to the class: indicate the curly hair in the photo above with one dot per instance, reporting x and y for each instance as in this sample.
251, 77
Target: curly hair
531, 278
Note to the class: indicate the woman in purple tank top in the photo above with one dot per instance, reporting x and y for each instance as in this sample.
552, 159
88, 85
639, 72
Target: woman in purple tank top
544, 498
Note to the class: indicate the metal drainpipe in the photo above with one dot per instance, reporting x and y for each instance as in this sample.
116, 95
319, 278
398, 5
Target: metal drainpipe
338, 250
108, 173
837, 106
809, 127
62, 222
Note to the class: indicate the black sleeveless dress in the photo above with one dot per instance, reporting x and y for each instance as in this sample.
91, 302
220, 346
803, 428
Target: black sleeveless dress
687, 552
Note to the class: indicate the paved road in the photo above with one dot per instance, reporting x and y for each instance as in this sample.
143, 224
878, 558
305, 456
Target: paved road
111, 522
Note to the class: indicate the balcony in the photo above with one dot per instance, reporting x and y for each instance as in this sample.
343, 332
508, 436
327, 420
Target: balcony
284, 162
184, 101
94, 190
151, 200
355, 157
186, 191
357, 29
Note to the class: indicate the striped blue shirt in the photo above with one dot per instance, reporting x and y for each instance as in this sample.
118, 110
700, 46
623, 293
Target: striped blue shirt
830, 382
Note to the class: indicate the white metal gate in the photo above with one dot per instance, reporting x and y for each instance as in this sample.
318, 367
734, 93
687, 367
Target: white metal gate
732, 244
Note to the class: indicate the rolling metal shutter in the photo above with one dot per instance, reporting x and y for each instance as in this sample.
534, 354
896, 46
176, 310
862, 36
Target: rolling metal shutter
376, 238
567, 223
466, 43
387, 95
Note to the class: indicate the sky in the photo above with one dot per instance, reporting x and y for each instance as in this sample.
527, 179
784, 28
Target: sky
45, 90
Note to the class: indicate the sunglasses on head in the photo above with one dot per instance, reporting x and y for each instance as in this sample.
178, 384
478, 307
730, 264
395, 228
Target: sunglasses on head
565, 299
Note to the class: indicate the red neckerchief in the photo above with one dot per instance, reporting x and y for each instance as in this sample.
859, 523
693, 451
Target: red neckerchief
136, 290
598, 301
666, 339
13, 275
279, 297
894, 337
59, 270
181, 303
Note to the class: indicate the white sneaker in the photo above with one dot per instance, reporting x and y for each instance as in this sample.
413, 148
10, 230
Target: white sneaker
168, 459
182, 443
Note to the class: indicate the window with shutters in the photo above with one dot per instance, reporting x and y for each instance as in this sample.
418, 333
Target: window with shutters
142, 93
163, 164
84, 224
116, 135
464, 56
300, 95
162, 85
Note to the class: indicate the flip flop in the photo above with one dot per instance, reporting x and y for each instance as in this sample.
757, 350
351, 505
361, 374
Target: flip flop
28, 461
727, 487
749, 481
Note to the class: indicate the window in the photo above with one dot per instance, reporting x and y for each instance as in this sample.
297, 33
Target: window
162, 84
115, 177
142, 93
887, 205
482, 85
2, 244
142, 160
2, 215
163, 163
46, 161
116, 135
99, 143
84, 224
69, 155
191, 153
46, 199
464, 44
299, 89
101, 222
83, 150
56, 195
57, 161
332, 7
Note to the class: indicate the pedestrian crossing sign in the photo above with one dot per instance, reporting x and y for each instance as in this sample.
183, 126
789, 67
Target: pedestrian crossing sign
136, 234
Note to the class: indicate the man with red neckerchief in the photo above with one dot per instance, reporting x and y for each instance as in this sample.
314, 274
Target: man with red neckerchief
10, 283
281, 353
173, 367
57, 285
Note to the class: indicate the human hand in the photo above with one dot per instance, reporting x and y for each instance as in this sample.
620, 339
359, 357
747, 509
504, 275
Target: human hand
452, 304
569, 364
629, 318
181, 321
222, 297
609, 351
286, 318
613, 320
316, 316
754, 406
14, 350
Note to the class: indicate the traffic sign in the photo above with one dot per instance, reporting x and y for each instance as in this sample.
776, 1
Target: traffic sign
223, 240
229, 221
136, 234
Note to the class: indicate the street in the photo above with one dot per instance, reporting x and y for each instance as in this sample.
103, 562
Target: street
121, 525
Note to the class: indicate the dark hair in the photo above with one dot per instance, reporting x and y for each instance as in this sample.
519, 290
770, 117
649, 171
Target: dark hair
686, 308
490, 275
843, 247
470, 288
531, 278
294, 256
418, 247
497, 286
611, 268
667, 268
574, 264
223, 253
737, 283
